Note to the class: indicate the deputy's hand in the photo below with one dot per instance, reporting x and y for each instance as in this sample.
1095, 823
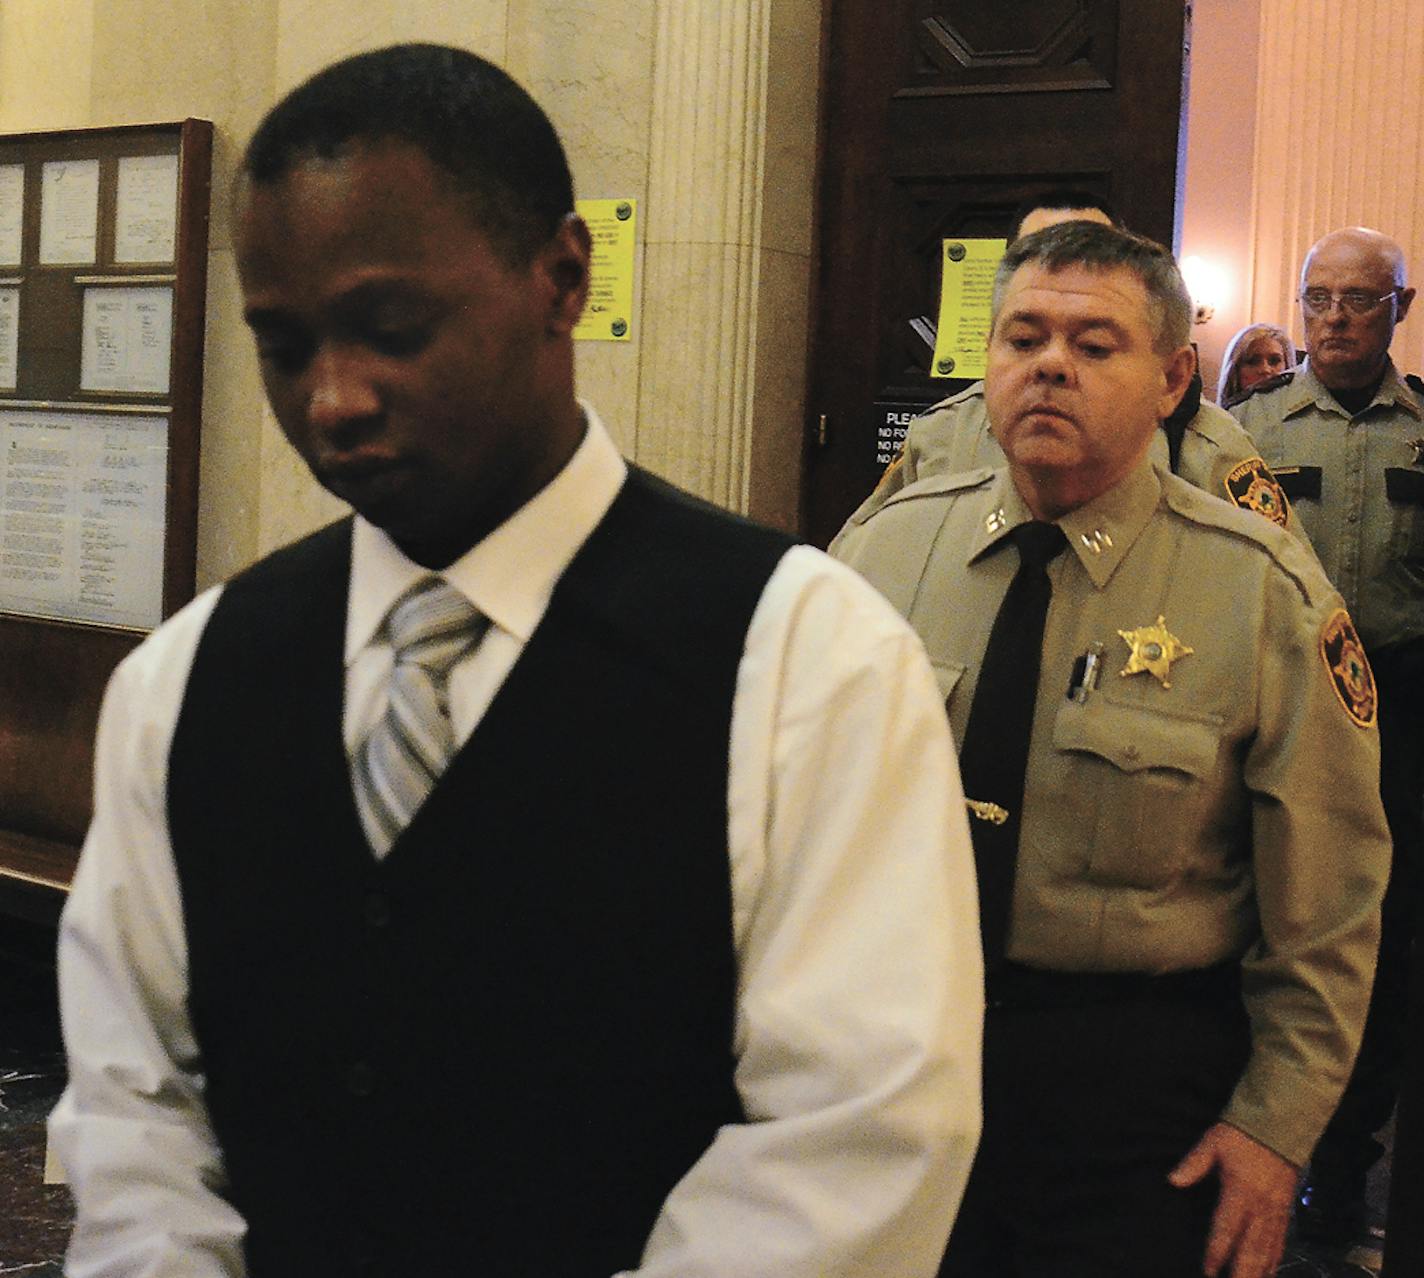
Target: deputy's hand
1257, 1189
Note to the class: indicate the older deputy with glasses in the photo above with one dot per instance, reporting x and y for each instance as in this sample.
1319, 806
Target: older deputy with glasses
1345, 437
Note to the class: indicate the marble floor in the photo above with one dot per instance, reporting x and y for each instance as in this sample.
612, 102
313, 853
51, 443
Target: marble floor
35, 1219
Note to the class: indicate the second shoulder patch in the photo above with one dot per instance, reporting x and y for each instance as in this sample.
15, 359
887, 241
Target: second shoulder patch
1251, 486
1350, 673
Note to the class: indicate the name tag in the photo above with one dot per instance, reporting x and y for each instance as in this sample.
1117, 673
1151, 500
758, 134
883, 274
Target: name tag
1298, 481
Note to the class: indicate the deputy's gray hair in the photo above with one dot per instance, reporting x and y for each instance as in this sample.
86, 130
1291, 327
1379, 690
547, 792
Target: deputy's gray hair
1103, 248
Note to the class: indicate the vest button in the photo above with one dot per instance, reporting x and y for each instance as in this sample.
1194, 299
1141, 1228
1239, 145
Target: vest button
361, 1079
378, 910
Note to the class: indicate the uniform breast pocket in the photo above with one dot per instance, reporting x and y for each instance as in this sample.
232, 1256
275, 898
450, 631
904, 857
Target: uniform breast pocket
1405, 490
1136, 780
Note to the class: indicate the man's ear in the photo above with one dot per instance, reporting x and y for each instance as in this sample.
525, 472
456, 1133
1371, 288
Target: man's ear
1405, 297
1177, 373
564, 261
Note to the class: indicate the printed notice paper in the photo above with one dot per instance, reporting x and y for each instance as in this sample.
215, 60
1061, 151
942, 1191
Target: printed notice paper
965, 297
12, 213
69, 212
608, 315
146, 216
9, 337
82, 505
128, 333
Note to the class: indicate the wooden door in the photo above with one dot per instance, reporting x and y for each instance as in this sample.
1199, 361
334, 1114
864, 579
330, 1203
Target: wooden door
940, 116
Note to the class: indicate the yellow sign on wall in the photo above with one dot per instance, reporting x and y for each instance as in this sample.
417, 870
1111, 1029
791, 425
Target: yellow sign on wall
965, 299
608, 315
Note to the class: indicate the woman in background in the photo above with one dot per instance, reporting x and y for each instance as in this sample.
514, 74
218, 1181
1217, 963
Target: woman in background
1257, 352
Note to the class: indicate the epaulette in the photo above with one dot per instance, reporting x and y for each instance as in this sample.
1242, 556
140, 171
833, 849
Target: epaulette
1209, 510
1205, 510
1270, 384
938, 486
1214, 424
974, 391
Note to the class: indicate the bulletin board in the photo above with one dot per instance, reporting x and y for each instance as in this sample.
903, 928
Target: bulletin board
103, 279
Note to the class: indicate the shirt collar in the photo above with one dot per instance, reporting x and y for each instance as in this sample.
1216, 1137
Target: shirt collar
509, 575
1307, 390
1100, 533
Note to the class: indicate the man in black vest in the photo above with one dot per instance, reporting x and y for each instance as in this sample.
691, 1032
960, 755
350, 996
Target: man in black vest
540, 874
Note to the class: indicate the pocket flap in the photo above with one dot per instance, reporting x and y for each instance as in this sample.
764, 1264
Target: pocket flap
1134, 738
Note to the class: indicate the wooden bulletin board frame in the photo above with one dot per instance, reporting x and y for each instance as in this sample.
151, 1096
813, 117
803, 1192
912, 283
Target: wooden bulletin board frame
56, 658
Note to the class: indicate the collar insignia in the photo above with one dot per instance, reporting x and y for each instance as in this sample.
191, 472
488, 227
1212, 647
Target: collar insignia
1097, 541
1154, 648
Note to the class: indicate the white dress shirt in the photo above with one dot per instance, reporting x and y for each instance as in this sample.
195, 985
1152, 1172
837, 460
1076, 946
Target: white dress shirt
859, 984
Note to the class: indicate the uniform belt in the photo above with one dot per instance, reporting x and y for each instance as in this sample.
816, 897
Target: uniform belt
1017, 986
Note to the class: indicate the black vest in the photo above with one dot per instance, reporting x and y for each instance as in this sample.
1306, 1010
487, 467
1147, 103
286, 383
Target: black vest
496, 1051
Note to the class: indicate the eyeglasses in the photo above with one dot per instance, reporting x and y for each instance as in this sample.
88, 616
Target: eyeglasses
1320, 301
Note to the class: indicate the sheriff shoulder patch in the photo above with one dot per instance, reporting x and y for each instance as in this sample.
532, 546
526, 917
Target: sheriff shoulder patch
1251, 486
1344, 657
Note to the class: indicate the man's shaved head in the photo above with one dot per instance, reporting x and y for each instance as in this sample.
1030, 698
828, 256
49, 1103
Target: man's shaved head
1362, 240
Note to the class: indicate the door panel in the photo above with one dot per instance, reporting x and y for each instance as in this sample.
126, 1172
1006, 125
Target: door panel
940, 116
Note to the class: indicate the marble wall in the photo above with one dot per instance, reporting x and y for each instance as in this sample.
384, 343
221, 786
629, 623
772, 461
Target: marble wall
705, 112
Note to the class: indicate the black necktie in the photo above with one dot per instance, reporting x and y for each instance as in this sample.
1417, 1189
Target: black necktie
994, 756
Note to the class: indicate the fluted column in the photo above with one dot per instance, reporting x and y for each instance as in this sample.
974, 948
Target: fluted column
727, 250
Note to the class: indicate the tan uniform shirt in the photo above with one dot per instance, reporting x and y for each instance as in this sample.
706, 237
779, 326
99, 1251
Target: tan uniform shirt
1234, 813
953, 436
1357, 484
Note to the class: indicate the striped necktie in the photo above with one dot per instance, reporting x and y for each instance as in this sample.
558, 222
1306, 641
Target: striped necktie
430, 627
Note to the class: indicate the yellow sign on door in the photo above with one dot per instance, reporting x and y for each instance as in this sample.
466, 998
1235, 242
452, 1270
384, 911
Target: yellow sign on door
965, 297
